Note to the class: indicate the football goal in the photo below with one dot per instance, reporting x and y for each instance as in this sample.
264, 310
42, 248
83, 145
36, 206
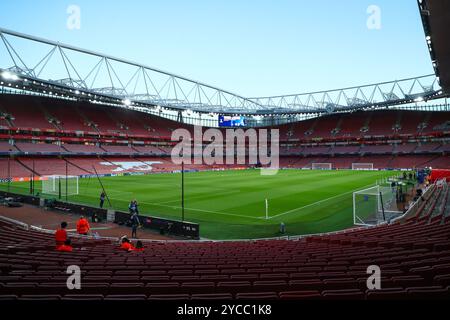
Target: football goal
362, 166
374, 205
321, 166
60, 185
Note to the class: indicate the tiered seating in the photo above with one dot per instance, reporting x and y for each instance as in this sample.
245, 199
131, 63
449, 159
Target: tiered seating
428, 147
47, 167
16, 169
119, 149
27, 112
352, 124
324, 127
444, 148
115, 126
21, 167
379, 161
343, 162
102, 166
405, 148
39, 147
316, 150
100, 117
294, 130
6, 147
290, 150
149, 149
410, 121
410, 161
376, 149
382, 125
345, 149
128, 120
81, 148
440, 162
3, 122
165, 150
414, 257
69, 118
436, 121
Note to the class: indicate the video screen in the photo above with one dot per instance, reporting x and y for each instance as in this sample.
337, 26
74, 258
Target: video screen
232, 121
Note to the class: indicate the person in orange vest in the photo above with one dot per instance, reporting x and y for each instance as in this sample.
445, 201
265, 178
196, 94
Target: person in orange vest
83, 226
126, 245
66, 247
61, 234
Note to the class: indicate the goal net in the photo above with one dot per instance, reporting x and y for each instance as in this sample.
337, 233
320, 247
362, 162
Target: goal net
362, 166
321, 166
60, 185
375, 205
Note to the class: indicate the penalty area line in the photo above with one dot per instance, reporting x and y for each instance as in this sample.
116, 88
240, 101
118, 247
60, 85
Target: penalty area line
317, 202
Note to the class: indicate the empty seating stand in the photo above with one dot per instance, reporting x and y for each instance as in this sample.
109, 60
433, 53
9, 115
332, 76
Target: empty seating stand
413, 255
44, 127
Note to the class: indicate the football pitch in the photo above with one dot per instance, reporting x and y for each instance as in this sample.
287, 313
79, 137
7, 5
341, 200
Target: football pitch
231, 204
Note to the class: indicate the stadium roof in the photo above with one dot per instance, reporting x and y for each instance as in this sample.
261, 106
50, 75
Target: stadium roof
34, 64
436, 23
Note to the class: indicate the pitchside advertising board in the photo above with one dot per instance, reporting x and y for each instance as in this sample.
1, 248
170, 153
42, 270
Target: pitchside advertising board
232, 121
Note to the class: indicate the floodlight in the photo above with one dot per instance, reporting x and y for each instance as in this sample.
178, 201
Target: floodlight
9, 76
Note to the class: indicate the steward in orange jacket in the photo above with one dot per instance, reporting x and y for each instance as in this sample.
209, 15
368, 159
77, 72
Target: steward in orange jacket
126, 245
61, 234
66, 247
83, 226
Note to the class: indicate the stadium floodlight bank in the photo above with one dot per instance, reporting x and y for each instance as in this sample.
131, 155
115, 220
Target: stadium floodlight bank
60, 185
362, 166
321, 166
375, 205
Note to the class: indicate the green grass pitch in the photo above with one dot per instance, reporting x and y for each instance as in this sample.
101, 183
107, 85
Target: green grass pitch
231, 204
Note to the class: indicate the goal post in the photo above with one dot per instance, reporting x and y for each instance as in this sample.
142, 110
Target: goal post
362, 166
60, 185
321, 166
375, 205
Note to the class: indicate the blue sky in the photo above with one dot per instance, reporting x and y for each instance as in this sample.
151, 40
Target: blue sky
253, 48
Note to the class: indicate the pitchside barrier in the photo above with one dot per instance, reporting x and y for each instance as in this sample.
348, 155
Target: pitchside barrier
21, 198
167, 226
164, 226
75, 208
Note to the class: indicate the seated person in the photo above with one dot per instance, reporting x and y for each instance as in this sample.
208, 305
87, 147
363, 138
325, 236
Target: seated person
95, 218
139, 246
83, 226
61, 234
66, 247
126, 245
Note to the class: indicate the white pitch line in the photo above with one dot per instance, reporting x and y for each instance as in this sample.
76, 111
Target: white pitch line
205, 211
194, 197
320, 201
192, 209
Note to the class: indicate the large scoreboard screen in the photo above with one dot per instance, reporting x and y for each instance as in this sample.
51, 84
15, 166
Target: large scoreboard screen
231, 121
